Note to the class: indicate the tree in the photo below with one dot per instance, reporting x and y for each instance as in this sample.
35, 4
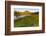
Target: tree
16, 13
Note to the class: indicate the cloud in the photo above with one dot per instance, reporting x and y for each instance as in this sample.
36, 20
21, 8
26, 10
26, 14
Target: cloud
26, 9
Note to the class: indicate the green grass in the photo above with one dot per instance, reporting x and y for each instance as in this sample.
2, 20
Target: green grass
27, 21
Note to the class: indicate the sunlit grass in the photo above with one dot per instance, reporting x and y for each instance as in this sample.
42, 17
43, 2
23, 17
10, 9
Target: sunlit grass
27, 21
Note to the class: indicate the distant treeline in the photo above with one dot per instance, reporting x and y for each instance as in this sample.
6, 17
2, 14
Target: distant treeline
35, 13
24, 13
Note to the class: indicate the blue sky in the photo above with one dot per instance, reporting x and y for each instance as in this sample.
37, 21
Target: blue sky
26, 9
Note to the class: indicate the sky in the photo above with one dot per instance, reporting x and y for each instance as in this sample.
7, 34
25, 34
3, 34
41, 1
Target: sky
26, 9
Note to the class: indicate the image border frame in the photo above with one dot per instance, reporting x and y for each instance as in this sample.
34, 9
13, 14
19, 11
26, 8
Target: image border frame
8, 17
